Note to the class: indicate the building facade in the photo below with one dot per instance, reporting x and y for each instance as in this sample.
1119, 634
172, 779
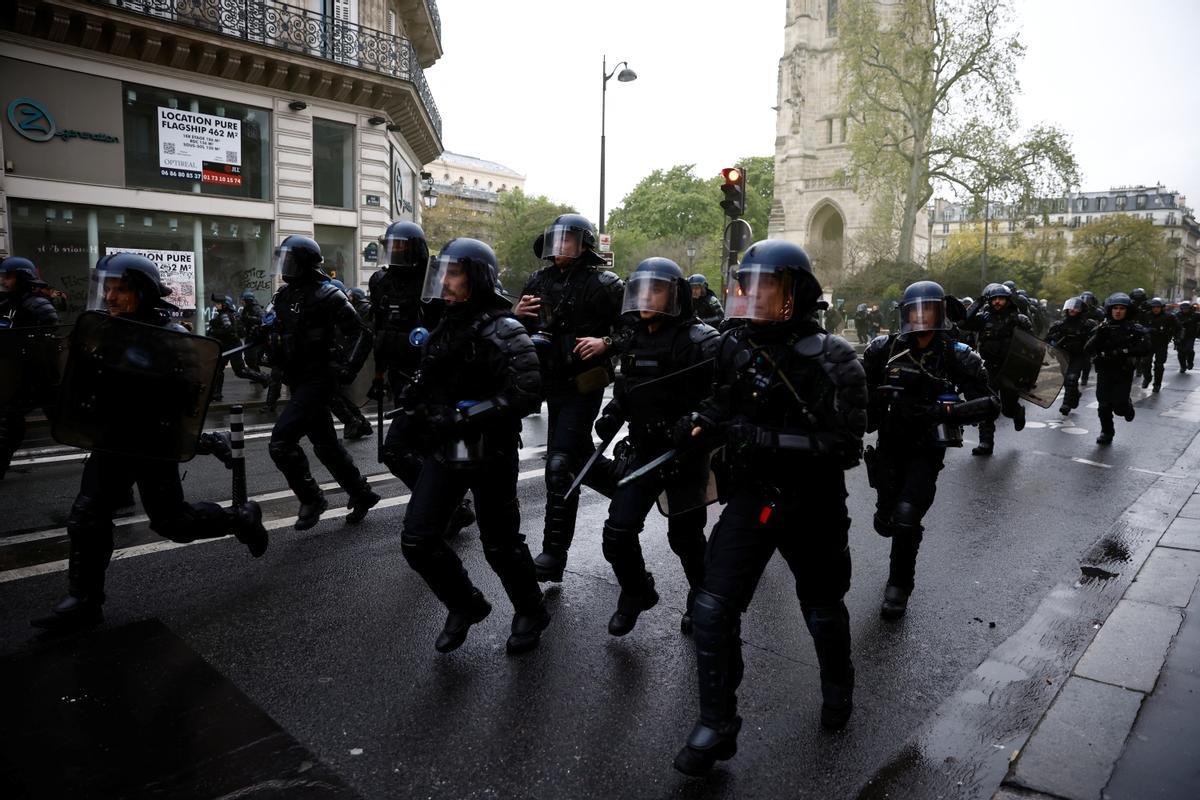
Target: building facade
202, 132
1165, 208
467, 192
812, 206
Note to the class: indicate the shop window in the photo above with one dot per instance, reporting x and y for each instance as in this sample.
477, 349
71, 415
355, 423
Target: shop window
225, 255
333, 164
185, 143
339, 252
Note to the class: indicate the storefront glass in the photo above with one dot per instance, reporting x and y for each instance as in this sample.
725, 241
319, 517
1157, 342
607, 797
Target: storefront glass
339, 251
225, 255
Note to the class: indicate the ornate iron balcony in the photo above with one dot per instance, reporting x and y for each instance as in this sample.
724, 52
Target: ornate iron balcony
274, 24
437, 20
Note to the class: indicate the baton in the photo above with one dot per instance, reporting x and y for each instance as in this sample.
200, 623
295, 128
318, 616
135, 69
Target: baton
672, 375
237, 445
648, 467
591, 462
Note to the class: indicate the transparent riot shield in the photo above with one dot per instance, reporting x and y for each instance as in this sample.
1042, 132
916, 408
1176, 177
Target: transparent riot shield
690, 485
357, 389
135, 389
1033, 369
31, 364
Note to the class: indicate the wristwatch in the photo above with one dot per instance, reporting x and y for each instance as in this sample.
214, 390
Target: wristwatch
607, 341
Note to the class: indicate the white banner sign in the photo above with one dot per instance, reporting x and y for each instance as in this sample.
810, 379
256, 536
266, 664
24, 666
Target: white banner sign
176, 268
199, 147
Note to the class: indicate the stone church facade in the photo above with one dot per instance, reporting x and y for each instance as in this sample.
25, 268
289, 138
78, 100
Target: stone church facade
811, 206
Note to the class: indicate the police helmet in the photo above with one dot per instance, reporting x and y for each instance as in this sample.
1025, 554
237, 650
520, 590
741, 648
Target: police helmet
994, 290
1138, 295
657, 285
698, 280
1089, 298
23, 268
358, 294
341, 287
248, 296
1157, 302
1075, 304
775, 283
569, 236
298, 257
1117, 299
137, 271
862, 307
404, 245
923, 308
478, 262
1012, 285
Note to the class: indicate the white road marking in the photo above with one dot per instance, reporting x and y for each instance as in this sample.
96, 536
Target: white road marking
159, 547
1091, 463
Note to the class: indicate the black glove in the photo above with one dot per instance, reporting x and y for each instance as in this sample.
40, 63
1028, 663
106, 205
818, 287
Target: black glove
745, 435
217, 445
378, 390
681, 431
607, 426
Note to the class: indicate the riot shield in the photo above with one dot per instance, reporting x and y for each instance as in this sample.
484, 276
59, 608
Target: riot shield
357, 389
691, 485
1033, 369
31, 362
135, 389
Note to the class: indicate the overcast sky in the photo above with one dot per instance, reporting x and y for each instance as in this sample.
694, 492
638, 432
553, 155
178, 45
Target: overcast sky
520, 84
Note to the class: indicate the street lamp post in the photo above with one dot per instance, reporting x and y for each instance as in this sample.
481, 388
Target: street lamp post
691, 253
625, 76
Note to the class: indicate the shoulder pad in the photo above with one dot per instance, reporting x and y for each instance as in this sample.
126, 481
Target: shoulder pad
503, 327
607, 278
879, 343
961, 347
326, 291
699, 333
175, 326
810, 346
838, 350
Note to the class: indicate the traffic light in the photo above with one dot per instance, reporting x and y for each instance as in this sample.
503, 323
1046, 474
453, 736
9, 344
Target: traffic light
734, 189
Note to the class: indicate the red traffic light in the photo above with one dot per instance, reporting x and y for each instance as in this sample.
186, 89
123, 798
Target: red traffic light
734, 190
731, 175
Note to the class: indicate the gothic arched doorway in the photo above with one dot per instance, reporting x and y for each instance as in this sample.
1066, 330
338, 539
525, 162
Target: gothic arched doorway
826, 243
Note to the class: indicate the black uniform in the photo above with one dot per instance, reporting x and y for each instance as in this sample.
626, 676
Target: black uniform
709, 310
249, 319
650, 409
224, 328
874, 322
578, 301
302, 325
861, 326
108, 478
24, 308
1069, 335
1163, 328
910, 388
995, 331
343, 406
1188, 322
478, 377
1116, 348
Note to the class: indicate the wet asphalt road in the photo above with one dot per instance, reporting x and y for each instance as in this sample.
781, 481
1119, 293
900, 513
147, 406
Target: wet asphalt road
332, 635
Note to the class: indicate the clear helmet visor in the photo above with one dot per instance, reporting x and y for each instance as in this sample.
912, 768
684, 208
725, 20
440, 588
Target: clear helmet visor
560, 241
402, 251
923, 315
447, 279
1074, 304
111, 292
651, 293
285, 265
760, 295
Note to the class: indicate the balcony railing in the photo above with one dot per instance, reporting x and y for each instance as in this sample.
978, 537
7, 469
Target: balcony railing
298, 30
437, 20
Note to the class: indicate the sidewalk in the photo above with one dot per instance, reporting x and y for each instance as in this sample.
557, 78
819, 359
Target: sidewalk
1126, 722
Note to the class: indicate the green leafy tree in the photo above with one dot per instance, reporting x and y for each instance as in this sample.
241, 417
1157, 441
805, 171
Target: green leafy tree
453, 217
959, 268
929, 90
519, 220
1115, 254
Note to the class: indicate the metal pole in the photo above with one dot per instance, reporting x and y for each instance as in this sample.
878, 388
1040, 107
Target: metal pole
237, 445
603, 101
987, 208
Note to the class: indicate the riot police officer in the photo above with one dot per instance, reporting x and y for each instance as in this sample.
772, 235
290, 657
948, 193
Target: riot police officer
1138, 312
1163, 328
22, 305
401, 323
860, 323
224, 328
1069, 335
130, 286
1116, 345
1185, 337
1096, 314
301, 325
665, 371
343, 406
924, 386
479, 376
704, 301
249, 318
789, 405
571, 308
994, 318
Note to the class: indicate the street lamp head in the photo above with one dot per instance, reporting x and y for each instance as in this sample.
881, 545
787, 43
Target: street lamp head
626, 75
691, 251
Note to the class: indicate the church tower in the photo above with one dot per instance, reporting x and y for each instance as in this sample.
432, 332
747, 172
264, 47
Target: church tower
812, 207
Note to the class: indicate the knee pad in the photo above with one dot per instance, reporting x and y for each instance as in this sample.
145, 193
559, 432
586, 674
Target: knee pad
559, 475
827, 619
906, 519
87, 516
403, 462
713, 619
618, 540
285, 454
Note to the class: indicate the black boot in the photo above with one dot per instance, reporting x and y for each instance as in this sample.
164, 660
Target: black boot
685, 622
527, 629
560, 530
984, 448
1019, 419
359, 504
310, 512
837, 703
71, 614
895, 603
458, 623
248, 528
830, 629
1105, 437
357, 430
630, 604
462, 517
706, 746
